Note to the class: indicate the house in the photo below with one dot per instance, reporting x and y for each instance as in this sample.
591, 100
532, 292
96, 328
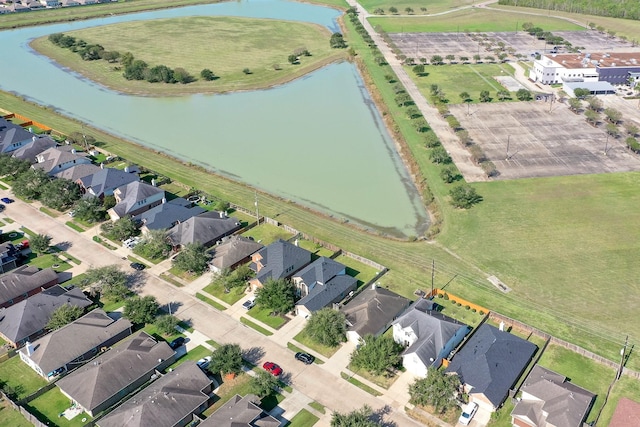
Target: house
56, 159
104, 181
169, 401
490, 363
279, 260
320, 284
24, 282
627, 413
206, 228
167, 214
427, 335
30, 150
114, 374
548, 399
74, 344
50, 3
26, 320
13, 136
233, 251
612, 67
77, 172
135, 198
372, 311
239, 412
8, 259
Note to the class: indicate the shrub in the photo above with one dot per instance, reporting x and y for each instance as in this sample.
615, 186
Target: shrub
440, 296
459, 304
453, 301
467, 307
473, 310
446, 296
481, 313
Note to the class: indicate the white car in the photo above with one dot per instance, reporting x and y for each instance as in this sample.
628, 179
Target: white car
248, 304
204, 362
468, 412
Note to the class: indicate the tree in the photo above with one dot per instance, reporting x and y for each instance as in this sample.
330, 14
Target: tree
135, 70
337, 41
631, 129
63, 315
60, 194
293, 59
393, 10
465, 96
358, 418
449, 174
503, 94
89, 209
612, 130
192, 258
592, 116
29, 185
154, 245
180, 75
327, 327
378, 355
594, 103
246, 71
431, 140
485, 96
581, 93
277, 295
13, 166
439, 156
477, 58
614, 116
418, 69
207, 74
263, 384
450, 58
575, 104
110, 281
121, 229
464, 196
403, 99
111, 56
159, 73
421, 125
166, 324
464, 59
437, 389
436, 60
490, 58
413, 112
40, 243
227, 360
408, 10
523, 95
141, 309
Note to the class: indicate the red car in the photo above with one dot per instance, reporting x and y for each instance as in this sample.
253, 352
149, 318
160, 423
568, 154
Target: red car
272, 368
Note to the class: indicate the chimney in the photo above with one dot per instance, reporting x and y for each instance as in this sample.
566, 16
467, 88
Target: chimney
153, 182
126, 169
29, 347
501, 326
373, 286
221, 214
101, 165
164, 200
73, 151
33, 138
296, 242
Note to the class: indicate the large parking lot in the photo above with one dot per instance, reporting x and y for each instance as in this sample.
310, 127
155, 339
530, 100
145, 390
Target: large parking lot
425, 45
537, 139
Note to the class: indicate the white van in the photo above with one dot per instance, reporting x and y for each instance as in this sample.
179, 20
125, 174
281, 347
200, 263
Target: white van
468, 412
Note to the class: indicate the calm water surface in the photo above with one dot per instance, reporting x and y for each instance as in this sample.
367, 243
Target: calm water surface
318, 140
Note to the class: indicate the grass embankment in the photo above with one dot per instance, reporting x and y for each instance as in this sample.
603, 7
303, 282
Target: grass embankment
14, 20
225, 45
434, 6
474, 20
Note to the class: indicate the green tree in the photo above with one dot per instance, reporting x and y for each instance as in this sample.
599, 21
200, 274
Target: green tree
192, 258
277, 295
436, 60
246, 71
12, 166
594, 103
485, 96
421, 125
378, 355
89, 209
592, 116
393, 10
166, 324
464, 196
464, 59
614, 116
612, 130
141, 309
293, 59
450, 58
477, 58
154, 245
437, 390
631, 129
465, 96
523, 95
449, 174
327, 327
575, 104
135, 70
408, 10
63, 315
358, 418
431, 140
121, 229
263, 384
418, 69
127, 59
111, 56
60, 194
29, 185
503, 94
402, 99
110, 281
180, 75
227, 360
413, 112
337, 41
581, 93
40, 243
439, 155
207, 74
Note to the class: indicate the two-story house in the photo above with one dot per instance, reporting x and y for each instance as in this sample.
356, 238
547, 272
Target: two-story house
279, 260
57, 159
134, 198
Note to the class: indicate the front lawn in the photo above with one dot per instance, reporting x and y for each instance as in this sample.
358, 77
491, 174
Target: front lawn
267, 234
234, 295
194, 354
20, 377
380, 380
49, 407
151, 329
307, 341
47, 261
255, 326
264, 315
303, 418
184, 275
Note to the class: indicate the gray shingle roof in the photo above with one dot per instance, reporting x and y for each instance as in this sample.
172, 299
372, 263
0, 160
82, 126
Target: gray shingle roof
52, 159
321, 295
129, 195
31, 150
23, 280
319, 271
11, 133
206, 228
66, 344
77, 172
233, 250
168, 214
31, 315
557, 403
240, 412
106, 180
433, 329
491, 362
126, 363
281, 259
370, 310
164, 402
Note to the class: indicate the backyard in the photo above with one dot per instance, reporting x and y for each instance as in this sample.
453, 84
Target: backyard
50, 407
23, 380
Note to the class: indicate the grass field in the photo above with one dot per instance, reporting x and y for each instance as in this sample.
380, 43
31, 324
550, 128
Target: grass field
225, 45
48, 407
624, 387
11, 417
455, 79
475, 20
435, 6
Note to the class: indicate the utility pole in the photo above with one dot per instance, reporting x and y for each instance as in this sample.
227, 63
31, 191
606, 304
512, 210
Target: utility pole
606, 144
508, 141
623, 352
433, 273
257, 211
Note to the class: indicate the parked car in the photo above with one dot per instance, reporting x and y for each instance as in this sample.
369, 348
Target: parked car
7, 200
204, 362
272, 368
137, 266
71, 213
22, 245
305, 358
2, 207
467, 413
250, 303
177, 343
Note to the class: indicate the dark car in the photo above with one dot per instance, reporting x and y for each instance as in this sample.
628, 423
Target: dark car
138, 266
305, 358
272, 368
6, 200
177, 343
2, 207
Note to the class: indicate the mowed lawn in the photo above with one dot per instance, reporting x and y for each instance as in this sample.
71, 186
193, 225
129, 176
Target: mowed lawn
225, 45
434, 6
458, 78
474, 20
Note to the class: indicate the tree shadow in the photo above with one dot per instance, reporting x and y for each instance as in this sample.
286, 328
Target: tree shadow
378, 417
63, 246
253, 355
172, 307
136, 280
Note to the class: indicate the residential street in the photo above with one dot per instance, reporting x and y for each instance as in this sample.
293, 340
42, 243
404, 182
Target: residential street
321, 383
